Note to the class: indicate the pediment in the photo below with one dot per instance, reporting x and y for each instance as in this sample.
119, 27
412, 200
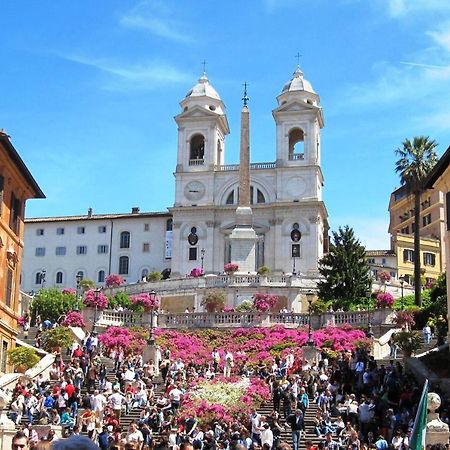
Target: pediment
197, 111
296, 106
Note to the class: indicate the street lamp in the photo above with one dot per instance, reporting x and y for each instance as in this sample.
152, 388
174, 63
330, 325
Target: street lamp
151, 338
309, 298
202, 256
42, 278
294, 272
96, 294
402, 282
369, 324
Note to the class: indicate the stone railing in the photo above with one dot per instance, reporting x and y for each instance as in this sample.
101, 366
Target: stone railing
253, 166
244, 319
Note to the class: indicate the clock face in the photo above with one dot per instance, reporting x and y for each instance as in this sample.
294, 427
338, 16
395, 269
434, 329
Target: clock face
194, 190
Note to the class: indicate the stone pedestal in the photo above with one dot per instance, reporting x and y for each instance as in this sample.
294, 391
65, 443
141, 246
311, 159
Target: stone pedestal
7, 426
437, 431
243, 241
310, 353
151, 352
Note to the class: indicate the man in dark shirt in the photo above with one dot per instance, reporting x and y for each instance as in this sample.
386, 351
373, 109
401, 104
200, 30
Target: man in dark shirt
297, 424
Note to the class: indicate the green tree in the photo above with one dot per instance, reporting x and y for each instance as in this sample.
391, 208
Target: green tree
87, 284
52, 303
344, 269
23, 357
416, 159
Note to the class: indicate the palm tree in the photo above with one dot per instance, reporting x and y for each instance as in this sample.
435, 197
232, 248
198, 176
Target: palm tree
416, 159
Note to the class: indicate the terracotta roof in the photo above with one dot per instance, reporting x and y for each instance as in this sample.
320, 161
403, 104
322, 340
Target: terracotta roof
140, 215
21, 166
380, 253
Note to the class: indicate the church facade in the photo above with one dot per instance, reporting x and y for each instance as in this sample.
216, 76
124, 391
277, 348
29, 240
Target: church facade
289, 217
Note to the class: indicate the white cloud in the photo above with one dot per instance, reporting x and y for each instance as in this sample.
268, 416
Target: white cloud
134, 76
156, 18
403, 8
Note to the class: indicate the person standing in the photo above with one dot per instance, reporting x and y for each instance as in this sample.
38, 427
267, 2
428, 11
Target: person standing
426, 334
297, 424
215, 359
228, 365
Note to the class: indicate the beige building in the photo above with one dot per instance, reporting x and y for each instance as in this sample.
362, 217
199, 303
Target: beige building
16, 186
439, 181
382, 261
432, 227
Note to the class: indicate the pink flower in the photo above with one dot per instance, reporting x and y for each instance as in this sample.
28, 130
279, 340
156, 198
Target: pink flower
264, 302
385, 300
113, 280
74, 319
69, 291
149, 301
196, 272
384, 277
94, 298
230, 268
21, 321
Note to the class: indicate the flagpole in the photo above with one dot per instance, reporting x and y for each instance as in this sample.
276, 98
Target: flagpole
417, 441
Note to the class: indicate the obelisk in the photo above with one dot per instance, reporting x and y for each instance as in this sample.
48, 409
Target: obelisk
243, 236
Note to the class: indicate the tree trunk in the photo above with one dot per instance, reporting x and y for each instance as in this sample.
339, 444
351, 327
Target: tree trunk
417, 274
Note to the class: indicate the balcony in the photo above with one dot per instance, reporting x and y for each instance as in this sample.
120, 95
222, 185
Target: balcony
196, 162
296, 156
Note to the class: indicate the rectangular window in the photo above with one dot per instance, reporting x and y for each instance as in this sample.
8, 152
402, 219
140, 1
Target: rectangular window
408, 255
9, 288
429, 259
2, 186
392, 275
40, 232
447, 205
295, 251
146, 227
14, 215
60, 231
371, 260
192, 253
81, 249
413, 227
146, 247
3, 356
404, 230
383, 260
426, 220
102, 249
102, 229
81, 230
40, 251
60, 251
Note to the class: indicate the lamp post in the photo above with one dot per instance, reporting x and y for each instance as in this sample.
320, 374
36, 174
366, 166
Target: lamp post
294, 272
369, 324
309, 297
96, 294
402, 282
151, 338
202, 256
42, 278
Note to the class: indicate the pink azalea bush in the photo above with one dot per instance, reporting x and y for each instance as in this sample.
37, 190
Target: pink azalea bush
264, 302
122, 339
74, 319
403, 318
230, 268
69, 291
384, 277
228, 309
384, 300
145, 300
113, 280
196, 272
95, 299
21, 321
253, 345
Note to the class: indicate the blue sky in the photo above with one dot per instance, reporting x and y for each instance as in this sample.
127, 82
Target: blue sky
90, 89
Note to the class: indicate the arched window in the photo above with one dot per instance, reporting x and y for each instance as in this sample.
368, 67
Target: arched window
296, 144
80, 274
38, 278
230, 198
169, 225
197, 148
125, 239
59, 277
144, 273
124, 263
101, 276
256, 196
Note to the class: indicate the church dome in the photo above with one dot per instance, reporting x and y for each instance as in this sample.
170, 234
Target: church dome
203, 89
298, 83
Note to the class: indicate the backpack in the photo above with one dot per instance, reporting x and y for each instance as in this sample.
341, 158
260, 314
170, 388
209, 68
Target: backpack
49, 401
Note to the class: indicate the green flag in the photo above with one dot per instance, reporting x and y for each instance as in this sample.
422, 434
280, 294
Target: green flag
417, 441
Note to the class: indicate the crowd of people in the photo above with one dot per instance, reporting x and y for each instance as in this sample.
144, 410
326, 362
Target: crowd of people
361, 405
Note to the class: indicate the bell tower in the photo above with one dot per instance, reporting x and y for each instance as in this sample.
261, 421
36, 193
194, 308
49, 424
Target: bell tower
298, 119
202, 127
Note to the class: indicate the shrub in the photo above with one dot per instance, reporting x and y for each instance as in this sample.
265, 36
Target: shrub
74, 319
403, 318
385, 300
154, 276
384, 277
95, 299
128, 340
113, 280
408, 341
23, 357
264, 302
120, 299
320, 306
56, 339
196, 272
87, 284
230, 268
145, 301
263, 270
245, 306
52, 303
214, 301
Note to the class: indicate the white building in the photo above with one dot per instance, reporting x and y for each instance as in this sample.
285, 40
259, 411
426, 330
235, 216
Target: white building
93, 246
289, 216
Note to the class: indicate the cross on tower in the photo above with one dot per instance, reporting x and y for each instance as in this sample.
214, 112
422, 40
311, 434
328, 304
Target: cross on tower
298, 56
204, 66
245, 97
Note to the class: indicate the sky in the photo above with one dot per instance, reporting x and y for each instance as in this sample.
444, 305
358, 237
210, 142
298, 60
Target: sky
89, 91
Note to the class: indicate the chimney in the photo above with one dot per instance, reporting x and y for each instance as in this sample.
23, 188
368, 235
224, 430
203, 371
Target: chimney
135, 210
89, 212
